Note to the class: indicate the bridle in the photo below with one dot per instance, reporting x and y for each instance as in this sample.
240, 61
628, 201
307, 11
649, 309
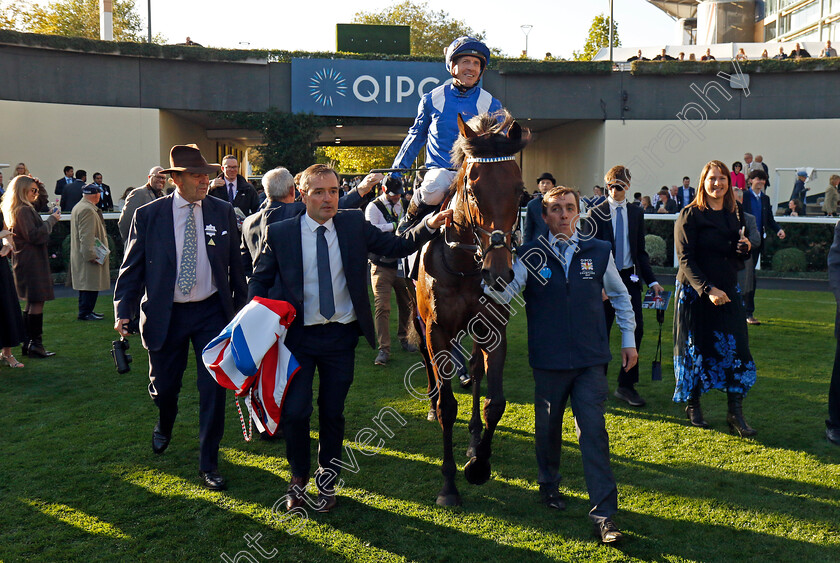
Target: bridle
496, 237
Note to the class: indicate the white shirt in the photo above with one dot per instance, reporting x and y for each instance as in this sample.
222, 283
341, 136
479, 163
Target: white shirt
628, 260
613, 286
374, 215
204, 284
344, 312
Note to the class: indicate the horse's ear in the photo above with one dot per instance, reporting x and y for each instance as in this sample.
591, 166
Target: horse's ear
514, 132
464, 128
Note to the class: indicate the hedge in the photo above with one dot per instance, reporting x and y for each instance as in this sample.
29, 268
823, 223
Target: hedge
756, 66
789, 260
656, 249
813, 239
58, 247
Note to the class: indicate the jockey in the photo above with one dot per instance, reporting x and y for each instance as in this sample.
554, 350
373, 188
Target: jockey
436, 124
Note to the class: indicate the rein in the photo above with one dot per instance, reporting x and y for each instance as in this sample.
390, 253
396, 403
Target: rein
497, 238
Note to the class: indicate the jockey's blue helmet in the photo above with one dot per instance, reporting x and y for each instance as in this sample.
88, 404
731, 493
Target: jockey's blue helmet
467, 46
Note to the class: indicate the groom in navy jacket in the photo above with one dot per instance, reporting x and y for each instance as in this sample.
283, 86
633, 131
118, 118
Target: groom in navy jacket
317, 261
182, 258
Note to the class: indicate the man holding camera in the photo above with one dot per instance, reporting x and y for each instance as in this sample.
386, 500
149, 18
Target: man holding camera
182, 258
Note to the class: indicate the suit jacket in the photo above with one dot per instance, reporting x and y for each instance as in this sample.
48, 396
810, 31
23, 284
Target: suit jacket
137, 197
149, 268
246, 198
534, 223
834, 276
279, 271
106, 201
253, 229
680, 192
71, 195
600, 219
60, 185
766, 212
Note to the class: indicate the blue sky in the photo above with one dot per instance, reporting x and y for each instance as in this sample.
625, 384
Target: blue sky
560, 26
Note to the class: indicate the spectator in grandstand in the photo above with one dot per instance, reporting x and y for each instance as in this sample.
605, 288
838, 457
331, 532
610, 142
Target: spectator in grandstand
799, 53
828, 50
781, 56
741, 56
708, 56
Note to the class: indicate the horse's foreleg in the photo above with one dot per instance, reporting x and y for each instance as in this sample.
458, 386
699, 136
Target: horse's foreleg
447, 412
477, 470
477, 374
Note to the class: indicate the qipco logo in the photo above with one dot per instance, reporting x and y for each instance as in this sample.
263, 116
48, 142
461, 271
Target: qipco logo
368, 89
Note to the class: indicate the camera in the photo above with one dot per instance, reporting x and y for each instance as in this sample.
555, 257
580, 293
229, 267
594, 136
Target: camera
122, 359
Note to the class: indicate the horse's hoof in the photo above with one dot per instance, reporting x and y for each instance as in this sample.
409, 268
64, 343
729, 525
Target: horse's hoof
448, 500
432, 415
477, 471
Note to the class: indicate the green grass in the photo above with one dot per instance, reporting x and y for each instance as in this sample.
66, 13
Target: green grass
78, 480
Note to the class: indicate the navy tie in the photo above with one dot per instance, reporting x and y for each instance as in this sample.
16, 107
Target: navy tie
231, 193
619, 237
325, 287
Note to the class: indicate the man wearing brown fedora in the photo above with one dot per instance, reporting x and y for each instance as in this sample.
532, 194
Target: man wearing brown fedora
182, 259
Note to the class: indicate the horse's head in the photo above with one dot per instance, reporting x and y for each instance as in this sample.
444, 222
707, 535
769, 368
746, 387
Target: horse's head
489, 188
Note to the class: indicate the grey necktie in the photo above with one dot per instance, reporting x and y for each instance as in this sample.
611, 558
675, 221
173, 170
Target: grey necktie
189, 255
326, 301
619, 237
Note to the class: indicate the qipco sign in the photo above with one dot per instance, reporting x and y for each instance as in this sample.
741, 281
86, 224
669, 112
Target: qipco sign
346, 87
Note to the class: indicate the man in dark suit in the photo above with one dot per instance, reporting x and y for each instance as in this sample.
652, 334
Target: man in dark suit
232, 187
685, 193
280, 204
757, 204
106, 201
534, 222
832, 431
67, 179
317, 261
72, 193
623, 226
182, 258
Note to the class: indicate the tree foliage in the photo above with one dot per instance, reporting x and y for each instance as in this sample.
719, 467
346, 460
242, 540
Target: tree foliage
599, 37
431, 31
72, 18
358, 159
287, 138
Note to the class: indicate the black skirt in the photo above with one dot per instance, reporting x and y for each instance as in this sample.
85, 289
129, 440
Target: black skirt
11, 320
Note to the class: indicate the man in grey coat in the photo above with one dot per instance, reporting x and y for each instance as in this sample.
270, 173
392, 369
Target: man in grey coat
139, 197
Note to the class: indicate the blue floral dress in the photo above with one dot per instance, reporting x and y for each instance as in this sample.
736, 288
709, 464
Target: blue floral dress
711, 344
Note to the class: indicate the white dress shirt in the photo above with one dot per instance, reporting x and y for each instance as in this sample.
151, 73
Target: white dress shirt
204, 284
344, 312
374, 215
613, 286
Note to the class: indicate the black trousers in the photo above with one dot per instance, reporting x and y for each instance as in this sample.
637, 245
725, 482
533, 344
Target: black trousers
87, 301
631, 377
587, 389
749, 292
331, 349
197, 323
834, 393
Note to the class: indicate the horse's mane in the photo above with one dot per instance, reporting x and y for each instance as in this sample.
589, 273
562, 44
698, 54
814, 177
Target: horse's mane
490, 139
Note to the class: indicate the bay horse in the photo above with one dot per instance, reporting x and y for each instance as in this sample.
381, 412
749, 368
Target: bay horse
476, 247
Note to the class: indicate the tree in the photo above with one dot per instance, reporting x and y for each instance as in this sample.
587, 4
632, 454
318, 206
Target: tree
358, 159
431, 32
72, 18
599, 37
287, 138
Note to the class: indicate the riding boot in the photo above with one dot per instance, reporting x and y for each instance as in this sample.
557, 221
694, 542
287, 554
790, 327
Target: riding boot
413, 215
735, 416
36, 331
24, 347
692, 410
